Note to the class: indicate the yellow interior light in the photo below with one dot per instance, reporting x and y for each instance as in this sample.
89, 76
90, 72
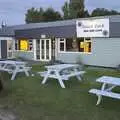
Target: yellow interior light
24, 45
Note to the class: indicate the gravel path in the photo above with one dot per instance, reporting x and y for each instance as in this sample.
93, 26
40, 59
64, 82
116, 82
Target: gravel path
7, 115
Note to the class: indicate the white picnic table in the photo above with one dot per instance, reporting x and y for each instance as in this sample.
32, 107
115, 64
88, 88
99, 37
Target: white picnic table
62, 72
14, 67
108, 84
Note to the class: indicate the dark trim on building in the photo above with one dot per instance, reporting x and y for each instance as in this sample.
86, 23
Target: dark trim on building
3, 49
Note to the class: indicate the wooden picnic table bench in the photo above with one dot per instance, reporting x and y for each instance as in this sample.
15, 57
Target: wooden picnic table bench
109, 83
14, 67
62, 72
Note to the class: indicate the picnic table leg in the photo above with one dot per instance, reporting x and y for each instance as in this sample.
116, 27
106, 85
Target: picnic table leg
100, 96
45, 78
4, 66
78, 76
25, 70
60, 79
13, 75
26, 73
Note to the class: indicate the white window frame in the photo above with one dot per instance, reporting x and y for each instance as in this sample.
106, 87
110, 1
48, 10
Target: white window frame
18, 45
45, 59
59, 51
30, 41
59, 42
12, 48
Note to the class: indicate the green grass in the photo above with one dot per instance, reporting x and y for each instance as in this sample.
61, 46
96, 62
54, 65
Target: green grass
33, 101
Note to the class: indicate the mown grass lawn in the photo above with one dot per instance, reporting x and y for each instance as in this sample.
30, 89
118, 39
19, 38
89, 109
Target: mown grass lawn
33, 101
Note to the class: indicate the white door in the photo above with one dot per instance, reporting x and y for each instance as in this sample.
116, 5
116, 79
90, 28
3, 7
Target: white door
45, 49
0, 49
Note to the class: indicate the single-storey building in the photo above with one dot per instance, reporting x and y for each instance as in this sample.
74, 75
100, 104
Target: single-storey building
92, 41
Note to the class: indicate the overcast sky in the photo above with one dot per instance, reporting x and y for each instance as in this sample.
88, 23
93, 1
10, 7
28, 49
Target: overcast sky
13, 11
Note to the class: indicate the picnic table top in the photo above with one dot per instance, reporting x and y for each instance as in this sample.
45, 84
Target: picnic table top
109, 80
61, 66
11, 62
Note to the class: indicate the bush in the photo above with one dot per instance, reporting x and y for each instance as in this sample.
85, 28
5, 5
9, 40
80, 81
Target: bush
80, 62
5, 82
118, 67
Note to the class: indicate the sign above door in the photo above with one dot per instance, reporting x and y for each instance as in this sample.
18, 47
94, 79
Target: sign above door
93, 28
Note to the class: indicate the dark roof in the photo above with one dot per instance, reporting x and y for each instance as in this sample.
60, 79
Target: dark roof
6, 32
10, 30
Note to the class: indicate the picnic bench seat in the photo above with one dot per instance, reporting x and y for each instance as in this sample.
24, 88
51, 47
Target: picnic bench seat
11, 70
62, 72
28, 68
63, 76
14, 67
108, 84
105, 93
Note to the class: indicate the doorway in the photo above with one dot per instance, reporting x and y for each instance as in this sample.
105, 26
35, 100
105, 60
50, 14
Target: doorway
43, 49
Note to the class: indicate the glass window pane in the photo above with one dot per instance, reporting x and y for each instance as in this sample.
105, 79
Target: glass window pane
47, 49
24, 45
72, 45
38, 49
30, 45
62, 40
10, 44
78, 45
42, 49
87, 46
16, 45
61, 46
81, 44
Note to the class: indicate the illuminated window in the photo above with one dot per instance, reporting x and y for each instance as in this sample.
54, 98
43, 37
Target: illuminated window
75, 45
85, 45
24, 45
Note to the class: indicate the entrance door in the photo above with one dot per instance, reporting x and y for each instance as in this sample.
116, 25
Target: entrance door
9, 48
3, 49
45, 49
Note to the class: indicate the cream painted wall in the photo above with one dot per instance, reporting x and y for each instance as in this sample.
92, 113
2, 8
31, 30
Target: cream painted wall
105, 52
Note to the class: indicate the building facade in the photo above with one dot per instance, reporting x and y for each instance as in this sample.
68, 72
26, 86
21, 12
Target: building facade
92, 41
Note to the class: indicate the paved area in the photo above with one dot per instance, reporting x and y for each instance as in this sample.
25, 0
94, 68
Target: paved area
7, 115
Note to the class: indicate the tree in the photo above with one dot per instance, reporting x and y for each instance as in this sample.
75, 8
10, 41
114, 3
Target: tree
77, 8
74, 9
34, 15
104, 12
66, 10
86, 13
39, 15
51, 15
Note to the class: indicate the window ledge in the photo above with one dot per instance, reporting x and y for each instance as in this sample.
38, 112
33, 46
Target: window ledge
75, 52
22, 51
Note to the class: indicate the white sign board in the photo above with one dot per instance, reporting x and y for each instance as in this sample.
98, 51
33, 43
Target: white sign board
93, 28
43, 36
